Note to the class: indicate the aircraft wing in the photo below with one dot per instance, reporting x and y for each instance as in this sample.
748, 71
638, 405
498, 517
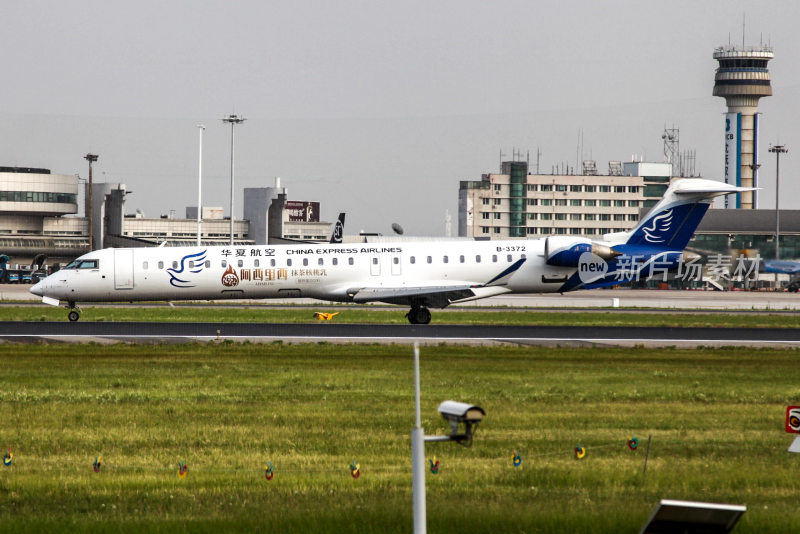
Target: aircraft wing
431, 296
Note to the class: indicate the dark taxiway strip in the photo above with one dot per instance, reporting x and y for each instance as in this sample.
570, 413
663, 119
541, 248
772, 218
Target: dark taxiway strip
141, 331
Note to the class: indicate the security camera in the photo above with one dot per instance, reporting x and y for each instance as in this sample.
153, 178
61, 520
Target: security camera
461, 412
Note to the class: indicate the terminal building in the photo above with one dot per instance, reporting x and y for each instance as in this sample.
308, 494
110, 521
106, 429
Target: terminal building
39, 215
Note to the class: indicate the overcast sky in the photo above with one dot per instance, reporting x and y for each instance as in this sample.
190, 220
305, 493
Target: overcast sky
377, 108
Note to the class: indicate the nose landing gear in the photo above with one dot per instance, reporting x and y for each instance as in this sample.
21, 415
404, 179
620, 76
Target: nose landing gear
419, 315
74, 312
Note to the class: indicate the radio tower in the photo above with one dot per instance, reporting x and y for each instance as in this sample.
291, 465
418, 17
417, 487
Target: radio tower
742, 78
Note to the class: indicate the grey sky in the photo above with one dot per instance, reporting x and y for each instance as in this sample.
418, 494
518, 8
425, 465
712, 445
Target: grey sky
376, 108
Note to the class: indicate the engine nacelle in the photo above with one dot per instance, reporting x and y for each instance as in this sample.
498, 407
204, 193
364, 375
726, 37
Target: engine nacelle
565, 251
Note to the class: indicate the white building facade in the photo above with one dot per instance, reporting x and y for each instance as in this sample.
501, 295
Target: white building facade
515, 204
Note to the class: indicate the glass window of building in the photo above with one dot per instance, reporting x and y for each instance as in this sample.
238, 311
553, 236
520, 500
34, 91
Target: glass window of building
575, 188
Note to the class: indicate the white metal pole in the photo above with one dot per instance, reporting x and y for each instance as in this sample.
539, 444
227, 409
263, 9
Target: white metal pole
418, 455
200, 185
232, 145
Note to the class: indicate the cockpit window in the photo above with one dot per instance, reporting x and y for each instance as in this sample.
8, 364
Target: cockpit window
82, 264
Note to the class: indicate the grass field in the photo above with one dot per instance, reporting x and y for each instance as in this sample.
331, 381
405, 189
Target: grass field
715, 416
396, 315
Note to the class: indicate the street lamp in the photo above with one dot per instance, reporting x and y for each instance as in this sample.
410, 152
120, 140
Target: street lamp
91, 158
778, 150
233, 120
200, 127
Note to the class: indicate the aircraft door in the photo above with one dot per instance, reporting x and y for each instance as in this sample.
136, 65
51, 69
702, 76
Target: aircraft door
375, 265
123, 268
396, 264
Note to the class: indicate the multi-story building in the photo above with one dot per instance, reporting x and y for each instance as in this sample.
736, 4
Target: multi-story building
516, 204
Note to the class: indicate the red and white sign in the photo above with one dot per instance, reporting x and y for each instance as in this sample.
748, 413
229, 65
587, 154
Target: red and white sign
793, 419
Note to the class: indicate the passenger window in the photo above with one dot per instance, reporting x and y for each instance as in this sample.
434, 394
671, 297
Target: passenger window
350, 261
461, 259
305, 262
289, 262
494, 258
444, 259
509, 258
335, 261
224, 263
144, 266
478, 258
241, 263
256, 263
396, 260
374, 261
174, 264
161, 265
430, 259
208, 263
191, 264
320, 262
413, 260
272, 263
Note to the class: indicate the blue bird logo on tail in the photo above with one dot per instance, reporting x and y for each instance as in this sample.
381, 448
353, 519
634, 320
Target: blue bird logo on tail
180, 277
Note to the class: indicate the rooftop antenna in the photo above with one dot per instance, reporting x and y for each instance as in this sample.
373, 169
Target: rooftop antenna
743, 21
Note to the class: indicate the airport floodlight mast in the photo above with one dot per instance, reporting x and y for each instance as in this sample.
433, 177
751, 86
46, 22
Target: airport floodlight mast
200, 127
778, 150
233, 120
91, 158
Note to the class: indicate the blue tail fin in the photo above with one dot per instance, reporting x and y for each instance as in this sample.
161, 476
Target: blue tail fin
672, 221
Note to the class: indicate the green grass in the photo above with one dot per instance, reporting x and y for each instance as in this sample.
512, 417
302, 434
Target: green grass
359, 315
716, 417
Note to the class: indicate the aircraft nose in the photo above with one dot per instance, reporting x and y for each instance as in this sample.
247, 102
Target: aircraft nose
38, 288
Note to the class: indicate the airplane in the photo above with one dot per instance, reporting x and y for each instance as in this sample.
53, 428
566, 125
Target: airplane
420, 275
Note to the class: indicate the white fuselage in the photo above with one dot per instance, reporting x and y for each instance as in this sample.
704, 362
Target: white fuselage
322, 271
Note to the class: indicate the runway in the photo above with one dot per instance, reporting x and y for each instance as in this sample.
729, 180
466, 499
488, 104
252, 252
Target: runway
144, 332
14, 294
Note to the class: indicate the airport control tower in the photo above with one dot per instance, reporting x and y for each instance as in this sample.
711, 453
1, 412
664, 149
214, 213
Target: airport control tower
742, 78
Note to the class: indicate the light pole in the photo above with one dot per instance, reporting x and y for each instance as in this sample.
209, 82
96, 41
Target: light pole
457, 413
233, 120
200, 127
778, 150
91, 158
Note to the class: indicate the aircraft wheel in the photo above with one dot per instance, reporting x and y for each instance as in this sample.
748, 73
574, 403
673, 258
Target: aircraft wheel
73, 316
419, 315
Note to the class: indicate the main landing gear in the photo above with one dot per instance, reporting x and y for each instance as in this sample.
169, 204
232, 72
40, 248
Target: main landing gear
419, 315
74, 312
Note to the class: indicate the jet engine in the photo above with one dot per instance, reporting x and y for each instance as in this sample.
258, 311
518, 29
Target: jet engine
565, 251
